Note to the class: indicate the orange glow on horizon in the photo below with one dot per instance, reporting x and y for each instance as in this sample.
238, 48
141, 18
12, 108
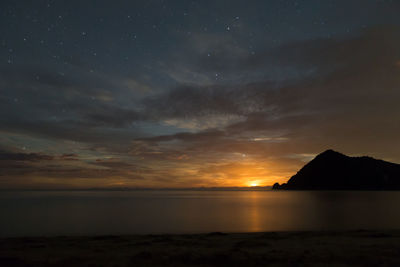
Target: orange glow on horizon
190, 173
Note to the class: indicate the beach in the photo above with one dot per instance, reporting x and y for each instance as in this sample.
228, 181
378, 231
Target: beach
344, 248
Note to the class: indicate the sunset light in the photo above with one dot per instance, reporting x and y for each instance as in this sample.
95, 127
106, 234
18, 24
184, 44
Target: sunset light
194, 102
208, 132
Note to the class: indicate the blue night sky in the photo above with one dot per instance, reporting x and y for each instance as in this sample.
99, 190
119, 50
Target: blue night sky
102, 94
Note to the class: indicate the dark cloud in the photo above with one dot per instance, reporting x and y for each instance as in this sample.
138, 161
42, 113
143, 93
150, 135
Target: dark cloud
62, 168
339, 92
349, 101
9, 156
76, 95
73, 106
185, 136
346, 70
348, 74
116, 164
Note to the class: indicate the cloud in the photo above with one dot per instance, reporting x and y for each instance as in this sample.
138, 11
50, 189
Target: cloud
338, 93
39, 170
346, 70
349, 101
9, 156
346, 74
75, 105
185, 136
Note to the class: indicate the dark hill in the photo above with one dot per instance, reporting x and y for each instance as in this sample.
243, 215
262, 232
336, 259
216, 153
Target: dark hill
332, 170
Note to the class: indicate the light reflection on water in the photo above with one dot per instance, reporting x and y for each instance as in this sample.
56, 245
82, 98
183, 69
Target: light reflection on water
144, 212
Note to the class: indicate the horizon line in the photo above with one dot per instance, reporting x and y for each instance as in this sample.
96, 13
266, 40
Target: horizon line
227, 188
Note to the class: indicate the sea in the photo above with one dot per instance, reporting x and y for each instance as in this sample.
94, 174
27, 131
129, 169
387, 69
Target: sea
65, 213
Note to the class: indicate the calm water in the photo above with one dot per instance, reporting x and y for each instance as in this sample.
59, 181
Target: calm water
144, 212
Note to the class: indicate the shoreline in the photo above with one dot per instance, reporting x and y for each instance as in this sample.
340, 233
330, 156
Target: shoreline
361, 247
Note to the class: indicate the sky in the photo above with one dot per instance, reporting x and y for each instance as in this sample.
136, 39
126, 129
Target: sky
162, 94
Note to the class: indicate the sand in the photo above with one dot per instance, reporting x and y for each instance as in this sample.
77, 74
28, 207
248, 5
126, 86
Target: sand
357, 248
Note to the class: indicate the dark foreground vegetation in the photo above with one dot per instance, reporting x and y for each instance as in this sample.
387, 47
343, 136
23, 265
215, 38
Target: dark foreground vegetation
357, 248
